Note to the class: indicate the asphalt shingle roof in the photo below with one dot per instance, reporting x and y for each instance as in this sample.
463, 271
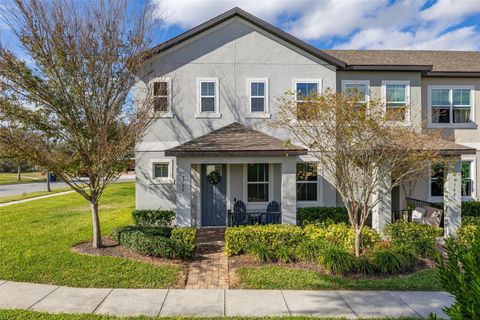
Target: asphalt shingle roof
235, 139
441, 61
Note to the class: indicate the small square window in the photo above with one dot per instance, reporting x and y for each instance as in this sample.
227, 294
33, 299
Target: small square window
161, 170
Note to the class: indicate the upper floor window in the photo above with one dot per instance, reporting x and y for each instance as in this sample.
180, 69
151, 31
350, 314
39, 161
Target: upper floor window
303, 90
451, 105
307, 181
360, 88
207, 98
258, 95
396, 96
161, 98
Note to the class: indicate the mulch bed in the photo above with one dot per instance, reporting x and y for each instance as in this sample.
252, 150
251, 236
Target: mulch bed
112, 249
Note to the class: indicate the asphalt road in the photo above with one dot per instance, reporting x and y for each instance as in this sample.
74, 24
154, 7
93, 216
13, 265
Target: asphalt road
21, 188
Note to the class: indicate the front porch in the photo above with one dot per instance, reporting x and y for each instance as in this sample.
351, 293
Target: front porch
235, 165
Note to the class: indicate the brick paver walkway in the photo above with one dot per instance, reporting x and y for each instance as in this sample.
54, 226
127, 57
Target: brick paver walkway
209, 269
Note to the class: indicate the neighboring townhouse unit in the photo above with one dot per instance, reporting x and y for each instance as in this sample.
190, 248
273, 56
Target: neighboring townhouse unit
215, 91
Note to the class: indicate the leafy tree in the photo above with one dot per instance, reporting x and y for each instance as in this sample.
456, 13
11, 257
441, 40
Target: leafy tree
358, 148
75, 89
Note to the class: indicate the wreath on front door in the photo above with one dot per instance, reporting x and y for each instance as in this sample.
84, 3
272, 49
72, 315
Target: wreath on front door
213, 177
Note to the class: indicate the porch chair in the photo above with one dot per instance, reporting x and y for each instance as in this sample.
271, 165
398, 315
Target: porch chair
239, 213
273, 213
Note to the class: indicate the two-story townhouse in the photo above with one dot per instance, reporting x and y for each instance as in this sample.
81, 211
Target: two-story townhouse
214, 90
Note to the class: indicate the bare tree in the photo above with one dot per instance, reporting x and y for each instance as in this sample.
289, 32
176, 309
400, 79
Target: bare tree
75, 89
358, 148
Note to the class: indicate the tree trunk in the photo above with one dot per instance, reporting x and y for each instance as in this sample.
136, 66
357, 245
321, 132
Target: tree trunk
97, 236
358, 242
19, 172
48, 182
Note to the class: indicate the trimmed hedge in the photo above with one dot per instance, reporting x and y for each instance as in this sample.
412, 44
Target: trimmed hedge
159, 218
322, 215
158, 241
342, 235
247, 238
471, 208
419, 237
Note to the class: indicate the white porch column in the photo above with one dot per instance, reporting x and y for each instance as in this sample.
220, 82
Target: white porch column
289, 191
452, 199
184, 191
382, 211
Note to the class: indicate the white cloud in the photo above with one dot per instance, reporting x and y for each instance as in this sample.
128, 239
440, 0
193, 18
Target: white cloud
359, 24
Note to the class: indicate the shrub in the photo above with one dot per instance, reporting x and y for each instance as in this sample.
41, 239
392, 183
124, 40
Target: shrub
473, 221
337, 260
364, 265
410, 256
309, 250
241, 239
159, 218
460, 276
157, 241
262, 252
342, 235
322, 215
284, 254
388, 261
471, 208
420, 237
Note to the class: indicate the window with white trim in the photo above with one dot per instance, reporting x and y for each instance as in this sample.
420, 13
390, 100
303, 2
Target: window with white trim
450, 105
360, 88
161, 96
258, 95
437, 179
257, 182
468, 178
396, 95
303, 90
207, 96
307, 181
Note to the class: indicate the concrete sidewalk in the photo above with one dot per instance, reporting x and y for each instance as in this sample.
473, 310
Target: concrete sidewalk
169, 302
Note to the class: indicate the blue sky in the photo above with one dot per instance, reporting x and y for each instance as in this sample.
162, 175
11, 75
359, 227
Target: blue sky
341, 24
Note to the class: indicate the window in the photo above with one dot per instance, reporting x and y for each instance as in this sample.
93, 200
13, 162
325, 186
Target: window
396, 95
307, 177
207, 98
257, 182
162, 170
304, 89
468, 182
451, 105
358, 87
258, 95
437, 180
160, 96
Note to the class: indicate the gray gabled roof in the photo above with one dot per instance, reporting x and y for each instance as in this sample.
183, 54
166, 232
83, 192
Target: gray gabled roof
422, 60
237, 12
235, 139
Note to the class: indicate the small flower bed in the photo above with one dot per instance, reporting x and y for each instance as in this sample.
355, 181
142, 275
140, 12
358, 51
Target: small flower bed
331, 246
152, 236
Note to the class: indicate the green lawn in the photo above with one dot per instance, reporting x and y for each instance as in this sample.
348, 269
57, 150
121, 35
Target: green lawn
31, 195
274, 277
11, 178
36, 239
28, 315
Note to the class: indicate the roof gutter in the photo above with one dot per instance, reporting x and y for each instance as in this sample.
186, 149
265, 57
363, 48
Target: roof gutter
415, 68
452, 74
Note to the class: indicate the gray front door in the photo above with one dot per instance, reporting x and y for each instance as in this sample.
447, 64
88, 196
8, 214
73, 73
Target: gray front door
214, 202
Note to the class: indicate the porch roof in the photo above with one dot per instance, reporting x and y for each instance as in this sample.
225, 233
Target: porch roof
235, 139
448, 148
